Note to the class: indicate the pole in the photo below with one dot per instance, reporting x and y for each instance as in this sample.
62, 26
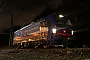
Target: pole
11, 32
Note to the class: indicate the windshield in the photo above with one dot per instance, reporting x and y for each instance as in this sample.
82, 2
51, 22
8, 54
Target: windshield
62, 22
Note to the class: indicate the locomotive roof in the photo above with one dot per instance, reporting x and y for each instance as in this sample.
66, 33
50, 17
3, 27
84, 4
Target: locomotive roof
28, 26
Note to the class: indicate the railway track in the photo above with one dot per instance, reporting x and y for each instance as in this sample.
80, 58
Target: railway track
43, 54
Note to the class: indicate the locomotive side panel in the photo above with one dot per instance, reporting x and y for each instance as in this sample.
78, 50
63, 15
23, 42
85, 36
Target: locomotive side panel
31, 34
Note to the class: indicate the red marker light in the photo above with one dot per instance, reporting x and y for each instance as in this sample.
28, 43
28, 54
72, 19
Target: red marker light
64, 31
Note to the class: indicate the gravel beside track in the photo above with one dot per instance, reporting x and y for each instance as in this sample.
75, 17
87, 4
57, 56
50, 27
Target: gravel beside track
46, 54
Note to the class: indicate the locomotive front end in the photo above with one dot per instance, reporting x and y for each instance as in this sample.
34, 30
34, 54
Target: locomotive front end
62, 36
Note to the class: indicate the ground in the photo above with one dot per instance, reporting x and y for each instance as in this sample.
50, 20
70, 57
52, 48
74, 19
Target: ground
45, 54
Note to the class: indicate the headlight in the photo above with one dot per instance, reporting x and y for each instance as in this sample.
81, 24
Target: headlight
72, 32
54, 30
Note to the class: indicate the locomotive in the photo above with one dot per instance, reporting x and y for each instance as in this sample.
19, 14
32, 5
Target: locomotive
47, 32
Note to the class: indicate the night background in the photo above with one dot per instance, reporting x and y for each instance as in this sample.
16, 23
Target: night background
26, 11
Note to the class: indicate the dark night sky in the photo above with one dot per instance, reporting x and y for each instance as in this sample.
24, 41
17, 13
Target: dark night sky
25, 11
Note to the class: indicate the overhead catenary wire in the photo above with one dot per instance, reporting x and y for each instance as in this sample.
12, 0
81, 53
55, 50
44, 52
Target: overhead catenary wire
3, 5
